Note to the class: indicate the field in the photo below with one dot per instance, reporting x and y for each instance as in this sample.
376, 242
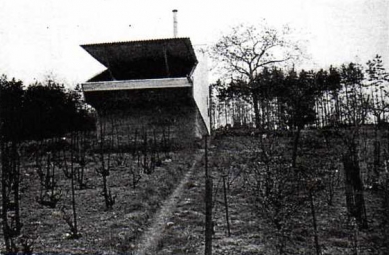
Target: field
137, 192
253, 225
271, 209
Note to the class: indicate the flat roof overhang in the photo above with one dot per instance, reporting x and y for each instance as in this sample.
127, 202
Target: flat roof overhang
147, 59
136, 84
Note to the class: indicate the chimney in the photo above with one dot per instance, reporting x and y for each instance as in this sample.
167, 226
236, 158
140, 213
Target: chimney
175, 23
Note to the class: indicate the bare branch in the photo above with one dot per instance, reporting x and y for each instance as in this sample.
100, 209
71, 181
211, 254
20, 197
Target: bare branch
247, 49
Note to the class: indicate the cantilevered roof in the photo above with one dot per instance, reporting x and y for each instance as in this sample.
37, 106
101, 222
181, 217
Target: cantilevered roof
149, 59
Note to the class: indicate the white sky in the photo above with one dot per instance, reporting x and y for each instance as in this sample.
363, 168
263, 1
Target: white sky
38, 37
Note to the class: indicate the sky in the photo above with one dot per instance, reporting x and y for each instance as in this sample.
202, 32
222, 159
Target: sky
42, 38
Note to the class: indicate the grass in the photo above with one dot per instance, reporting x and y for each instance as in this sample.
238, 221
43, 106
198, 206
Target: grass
116, 230
251, 230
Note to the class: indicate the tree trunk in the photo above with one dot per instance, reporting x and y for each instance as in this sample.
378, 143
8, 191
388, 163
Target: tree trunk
5, 198
314, 222
208, 204
377, 155
354, 188
226, 205
338, 118
225, 112
75, 228
256, 111
15, 168
295, 146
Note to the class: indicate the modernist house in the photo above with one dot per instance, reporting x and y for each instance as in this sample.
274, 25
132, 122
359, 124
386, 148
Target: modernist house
152, 85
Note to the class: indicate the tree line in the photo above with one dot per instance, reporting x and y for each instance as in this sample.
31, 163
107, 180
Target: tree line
279, 99
40, 111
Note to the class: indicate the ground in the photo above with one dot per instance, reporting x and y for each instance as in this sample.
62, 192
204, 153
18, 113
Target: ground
165, 213
114, 231
250, 231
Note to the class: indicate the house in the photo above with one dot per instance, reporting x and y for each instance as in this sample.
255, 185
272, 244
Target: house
155, 85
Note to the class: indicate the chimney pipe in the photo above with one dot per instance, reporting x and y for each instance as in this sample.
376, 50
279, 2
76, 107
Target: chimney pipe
175, 23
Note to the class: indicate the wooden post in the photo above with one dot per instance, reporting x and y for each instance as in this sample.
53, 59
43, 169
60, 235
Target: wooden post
72, 148
318, 251
208, 204
226, 205
210, 109
206, 156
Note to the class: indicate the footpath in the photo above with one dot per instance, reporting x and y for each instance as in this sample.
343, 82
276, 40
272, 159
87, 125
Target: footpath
150, 241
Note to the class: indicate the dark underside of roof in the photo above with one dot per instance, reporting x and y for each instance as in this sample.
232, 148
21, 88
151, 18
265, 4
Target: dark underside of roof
153, 59
140, 99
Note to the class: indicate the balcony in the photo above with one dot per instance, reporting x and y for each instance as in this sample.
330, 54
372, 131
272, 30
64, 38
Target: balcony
136, 84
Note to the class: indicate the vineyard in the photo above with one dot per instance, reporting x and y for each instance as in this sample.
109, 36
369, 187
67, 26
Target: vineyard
79, 196
263, 206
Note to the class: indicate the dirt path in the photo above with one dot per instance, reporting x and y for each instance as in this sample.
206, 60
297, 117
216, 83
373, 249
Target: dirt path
150, 238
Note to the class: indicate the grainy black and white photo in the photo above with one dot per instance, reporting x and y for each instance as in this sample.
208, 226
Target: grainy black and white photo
194, 127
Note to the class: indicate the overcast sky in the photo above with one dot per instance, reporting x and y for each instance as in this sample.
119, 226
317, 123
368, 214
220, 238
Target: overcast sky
42, 37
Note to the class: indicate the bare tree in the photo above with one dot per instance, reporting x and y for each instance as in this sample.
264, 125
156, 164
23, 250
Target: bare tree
246, 50
353, 105
105, 160
378, 81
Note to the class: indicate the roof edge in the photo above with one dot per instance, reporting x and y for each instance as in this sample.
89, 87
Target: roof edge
136, 41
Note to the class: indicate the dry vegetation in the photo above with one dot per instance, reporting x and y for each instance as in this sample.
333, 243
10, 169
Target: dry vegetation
137, 192
272, 207
281, 220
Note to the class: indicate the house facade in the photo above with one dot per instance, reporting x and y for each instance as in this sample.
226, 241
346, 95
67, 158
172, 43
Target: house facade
155, 85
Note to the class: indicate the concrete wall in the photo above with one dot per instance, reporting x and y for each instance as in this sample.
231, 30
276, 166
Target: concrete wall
201, 86
159, 111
